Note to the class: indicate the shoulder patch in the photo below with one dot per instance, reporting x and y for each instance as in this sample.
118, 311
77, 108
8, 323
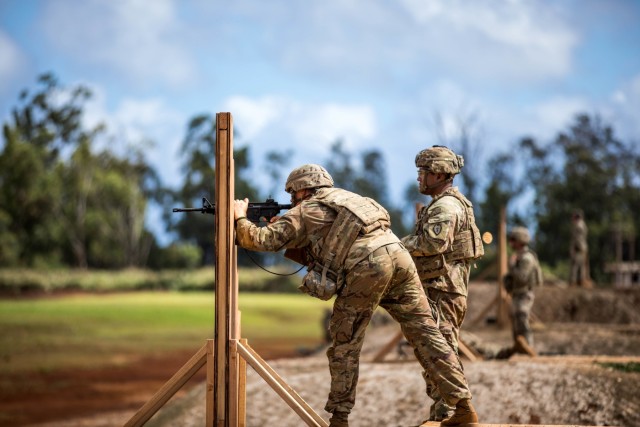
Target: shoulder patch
437, 229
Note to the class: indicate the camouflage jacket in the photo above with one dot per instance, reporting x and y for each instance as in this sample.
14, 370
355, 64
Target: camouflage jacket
578, 237
524, 272
306, 226
435, 231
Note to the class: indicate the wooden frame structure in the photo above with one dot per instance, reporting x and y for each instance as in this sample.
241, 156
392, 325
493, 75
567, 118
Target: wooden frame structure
227, 354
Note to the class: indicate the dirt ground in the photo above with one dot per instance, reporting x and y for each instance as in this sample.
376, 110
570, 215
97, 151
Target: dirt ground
576, 331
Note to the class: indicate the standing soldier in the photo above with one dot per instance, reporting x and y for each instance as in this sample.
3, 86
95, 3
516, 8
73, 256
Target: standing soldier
523, 276
444, 243
579, 251
345, 241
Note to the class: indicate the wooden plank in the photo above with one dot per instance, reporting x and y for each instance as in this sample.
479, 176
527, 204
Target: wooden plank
393, 342
225, 268
242, 388
233, 383
502, 315
209, 421
485, 311
291, 398
466, 351
523, 345
437, 424
165, 393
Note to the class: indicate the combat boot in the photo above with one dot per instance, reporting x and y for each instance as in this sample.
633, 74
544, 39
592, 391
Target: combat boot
339, 419
464, 414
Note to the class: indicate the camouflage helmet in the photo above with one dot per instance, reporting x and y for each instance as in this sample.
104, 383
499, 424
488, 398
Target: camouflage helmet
308, 176
520, 234
439, 159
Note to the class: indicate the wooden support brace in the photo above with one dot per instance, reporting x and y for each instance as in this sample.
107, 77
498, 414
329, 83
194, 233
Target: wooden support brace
485, 311
393, 342
522, 345
467, 352
165, 393
293, 399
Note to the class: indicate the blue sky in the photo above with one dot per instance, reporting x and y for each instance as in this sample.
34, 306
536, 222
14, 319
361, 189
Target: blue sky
301, 74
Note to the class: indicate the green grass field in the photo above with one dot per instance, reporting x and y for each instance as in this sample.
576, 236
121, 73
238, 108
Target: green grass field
95, 330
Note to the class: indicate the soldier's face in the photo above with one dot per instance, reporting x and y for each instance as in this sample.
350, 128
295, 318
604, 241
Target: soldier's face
298, 196
427, 181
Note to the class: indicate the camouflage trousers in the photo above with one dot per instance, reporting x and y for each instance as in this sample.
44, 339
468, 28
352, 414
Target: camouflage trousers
387, 278
578, 269
521, 304
450, 310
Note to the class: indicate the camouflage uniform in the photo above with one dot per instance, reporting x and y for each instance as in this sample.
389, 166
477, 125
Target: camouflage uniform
578, 252
444, 242
377, 271
523, 276
435, 231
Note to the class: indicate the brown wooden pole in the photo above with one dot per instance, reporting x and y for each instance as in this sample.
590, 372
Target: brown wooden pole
226, 290
502, 318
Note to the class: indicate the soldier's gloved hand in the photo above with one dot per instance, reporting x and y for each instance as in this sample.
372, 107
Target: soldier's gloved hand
274, 219
240, 208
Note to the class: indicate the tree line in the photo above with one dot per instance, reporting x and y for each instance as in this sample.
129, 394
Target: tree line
66, 202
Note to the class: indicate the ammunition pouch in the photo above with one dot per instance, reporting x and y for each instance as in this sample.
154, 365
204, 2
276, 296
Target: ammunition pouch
430, 267
507, 281
322, 282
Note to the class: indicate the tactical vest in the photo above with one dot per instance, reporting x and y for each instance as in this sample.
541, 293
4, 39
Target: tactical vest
467, 243
357, 215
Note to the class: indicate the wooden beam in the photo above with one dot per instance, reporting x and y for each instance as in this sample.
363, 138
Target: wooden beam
437, 424
242, 388
393, 342
502, 315
467, 352
210, 384
289, 395
485, 311
165, 393
226, 287
523, 346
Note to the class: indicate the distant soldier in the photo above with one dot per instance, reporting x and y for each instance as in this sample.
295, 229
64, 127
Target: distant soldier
523, 277
579, 251
443, 245
350, 251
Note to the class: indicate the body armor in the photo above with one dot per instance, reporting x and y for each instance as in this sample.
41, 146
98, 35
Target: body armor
467, 244
357, 216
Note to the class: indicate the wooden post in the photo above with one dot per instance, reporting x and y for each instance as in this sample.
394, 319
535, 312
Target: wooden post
502, 317
226, 289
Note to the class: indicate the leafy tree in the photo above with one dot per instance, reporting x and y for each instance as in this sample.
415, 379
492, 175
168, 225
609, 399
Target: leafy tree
198, 150
27, 194
369, 179
503, 186
587, 168
276, 161
61, 202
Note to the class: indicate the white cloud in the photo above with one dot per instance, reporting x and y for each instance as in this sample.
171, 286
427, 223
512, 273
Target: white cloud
296, 124
624, 110
150, 125
12, 61
137, 38
382, 42
557, 113
515, 39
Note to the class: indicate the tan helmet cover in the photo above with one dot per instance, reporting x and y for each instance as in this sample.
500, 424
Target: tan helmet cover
439, 159
520, 234
308, 176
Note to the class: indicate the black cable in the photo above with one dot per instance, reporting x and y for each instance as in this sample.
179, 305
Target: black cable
268, 271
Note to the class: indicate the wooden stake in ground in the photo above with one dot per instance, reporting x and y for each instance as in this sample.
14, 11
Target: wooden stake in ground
226, 295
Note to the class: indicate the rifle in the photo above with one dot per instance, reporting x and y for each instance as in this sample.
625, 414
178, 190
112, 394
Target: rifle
255, 213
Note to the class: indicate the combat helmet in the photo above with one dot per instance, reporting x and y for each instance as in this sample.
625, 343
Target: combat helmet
439, 159
520, 234
308, 176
